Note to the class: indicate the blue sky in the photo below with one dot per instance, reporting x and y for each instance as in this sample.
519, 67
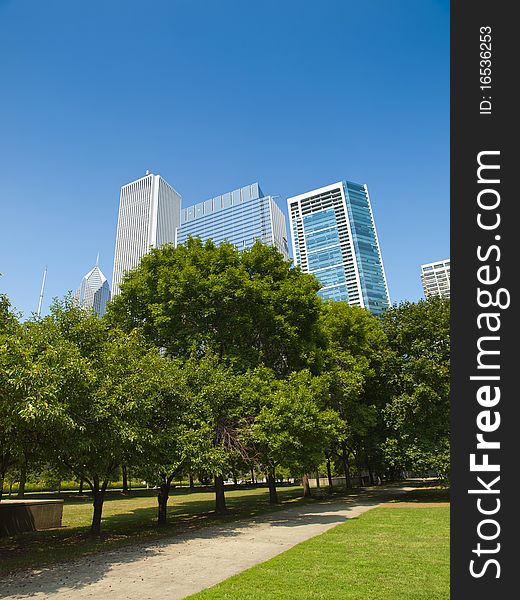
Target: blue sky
214, 95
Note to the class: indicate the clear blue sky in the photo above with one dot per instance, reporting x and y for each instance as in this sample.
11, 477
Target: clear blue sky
214, 95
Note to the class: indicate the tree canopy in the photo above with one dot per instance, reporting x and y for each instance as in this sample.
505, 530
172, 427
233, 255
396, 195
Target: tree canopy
418, 412
214, 361
248, 307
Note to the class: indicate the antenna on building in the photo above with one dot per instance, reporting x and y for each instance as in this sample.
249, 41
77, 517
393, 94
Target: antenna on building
97, 260
41, 293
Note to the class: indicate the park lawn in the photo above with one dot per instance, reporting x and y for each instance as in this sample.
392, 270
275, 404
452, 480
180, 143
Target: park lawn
132, 519
388, 553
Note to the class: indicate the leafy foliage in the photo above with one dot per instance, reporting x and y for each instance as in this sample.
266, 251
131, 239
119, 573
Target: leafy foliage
356, 345
293, 427
418, 414
36, 369
248, 308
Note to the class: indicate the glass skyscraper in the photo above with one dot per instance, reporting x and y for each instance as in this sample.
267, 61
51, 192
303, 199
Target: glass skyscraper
334, 237
240, 217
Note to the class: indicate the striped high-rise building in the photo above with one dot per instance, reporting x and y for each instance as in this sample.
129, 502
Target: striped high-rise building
240, 217
334, 237
93, 293
149, 215
435, 278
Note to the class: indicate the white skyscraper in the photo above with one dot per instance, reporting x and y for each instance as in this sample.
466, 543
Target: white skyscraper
435, 278
93, 293
149, 215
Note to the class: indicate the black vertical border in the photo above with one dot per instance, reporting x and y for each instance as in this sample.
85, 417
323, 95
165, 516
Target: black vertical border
472, 133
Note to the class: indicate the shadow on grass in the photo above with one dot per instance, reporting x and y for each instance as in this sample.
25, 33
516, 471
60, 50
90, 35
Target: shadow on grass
188, 520
131, 525
427, 495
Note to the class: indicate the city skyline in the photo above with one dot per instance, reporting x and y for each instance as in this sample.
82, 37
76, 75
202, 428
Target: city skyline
79, 118
140, 229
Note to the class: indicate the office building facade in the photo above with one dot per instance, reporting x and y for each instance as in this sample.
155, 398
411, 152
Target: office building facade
334, 237
94, 292
435, 278
149, 215
240, 217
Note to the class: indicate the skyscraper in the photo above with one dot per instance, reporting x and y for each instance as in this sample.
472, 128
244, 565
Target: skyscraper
93, 293
240, 217
435, 278
149, 215
334, 237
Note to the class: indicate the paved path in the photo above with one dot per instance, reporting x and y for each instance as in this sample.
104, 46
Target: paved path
180, 566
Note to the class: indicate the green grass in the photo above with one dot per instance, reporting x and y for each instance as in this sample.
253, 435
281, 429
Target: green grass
431, 493
128, 520
385, 554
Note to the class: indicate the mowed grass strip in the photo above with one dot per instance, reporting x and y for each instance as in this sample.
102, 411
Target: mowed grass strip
398, 554
128, 520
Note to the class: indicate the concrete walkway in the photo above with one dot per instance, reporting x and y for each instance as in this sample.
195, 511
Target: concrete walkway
180, 566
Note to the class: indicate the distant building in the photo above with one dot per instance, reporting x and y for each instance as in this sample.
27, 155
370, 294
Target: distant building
435, 278
149, 215
334, 237
93, 293
240, 217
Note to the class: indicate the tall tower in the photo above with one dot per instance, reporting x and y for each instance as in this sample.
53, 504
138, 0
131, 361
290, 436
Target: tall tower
334, 237
93, 293
149, 215
240, 217
435, 278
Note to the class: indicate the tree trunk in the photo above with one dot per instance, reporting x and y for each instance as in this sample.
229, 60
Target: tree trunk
318, 480
162, 499
306, 486
235, 481
125, 479
23, 479
329, 475
220, 497
80, 491
271, 482
346, 466
99, 497
5, 459
371, 475
252, 477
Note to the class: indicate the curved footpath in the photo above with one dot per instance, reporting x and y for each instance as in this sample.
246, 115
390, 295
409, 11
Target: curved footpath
177, 567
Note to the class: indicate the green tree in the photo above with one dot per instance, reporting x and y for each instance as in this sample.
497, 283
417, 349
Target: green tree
248, 307
175, 442
356, 346
293, 427
36, 367
218, 418
418, 414
8, 412
106, 412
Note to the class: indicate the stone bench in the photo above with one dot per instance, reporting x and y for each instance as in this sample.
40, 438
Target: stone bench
17, 516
